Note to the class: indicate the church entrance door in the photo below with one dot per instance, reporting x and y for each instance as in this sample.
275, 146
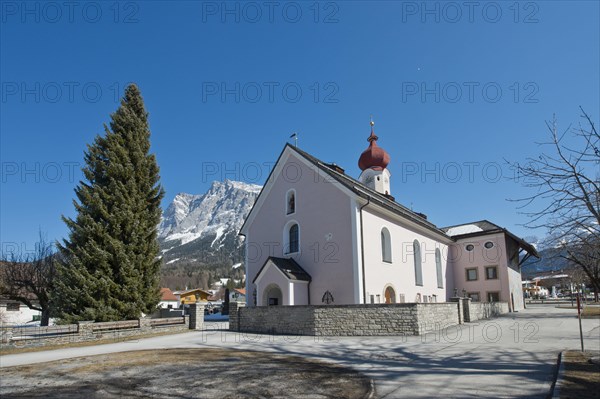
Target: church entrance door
390, 295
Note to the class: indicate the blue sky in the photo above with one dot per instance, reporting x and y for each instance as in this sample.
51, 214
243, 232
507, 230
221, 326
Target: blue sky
453, 91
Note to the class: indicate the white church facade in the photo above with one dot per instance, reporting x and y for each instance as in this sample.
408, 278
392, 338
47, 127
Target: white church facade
318, 236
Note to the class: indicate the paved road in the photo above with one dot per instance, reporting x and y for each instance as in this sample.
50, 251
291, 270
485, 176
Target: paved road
512, 356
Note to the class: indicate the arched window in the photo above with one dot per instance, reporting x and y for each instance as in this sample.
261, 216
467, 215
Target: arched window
291, 238
294, 238
291, 202
418, 268
386, 245
438, 268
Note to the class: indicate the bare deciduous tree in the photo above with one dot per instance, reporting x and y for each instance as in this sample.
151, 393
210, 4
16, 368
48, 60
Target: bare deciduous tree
29, 278
566, 202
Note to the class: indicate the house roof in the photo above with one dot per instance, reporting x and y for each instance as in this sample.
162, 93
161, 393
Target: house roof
287, 266
167, 295
241, 290
473, 227
485, 227
187, 292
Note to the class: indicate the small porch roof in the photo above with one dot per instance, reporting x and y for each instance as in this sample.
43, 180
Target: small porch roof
288, 266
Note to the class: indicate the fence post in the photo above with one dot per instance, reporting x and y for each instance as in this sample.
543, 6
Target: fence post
461, 311
144, 324
234, 315
6, 335
84, 329
467, 308
197, 316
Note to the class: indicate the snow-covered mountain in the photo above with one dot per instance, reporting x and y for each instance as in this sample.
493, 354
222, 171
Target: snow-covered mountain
203, 228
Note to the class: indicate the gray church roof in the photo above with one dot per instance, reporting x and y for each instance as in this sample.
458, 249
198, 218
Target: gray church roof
387, 202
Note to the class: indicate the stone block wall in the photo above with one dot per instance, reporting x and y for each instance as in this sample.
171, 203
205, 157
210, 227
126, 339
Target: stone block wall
294, 320
18, 337
486, 310
346, 320
386, 319
435, 316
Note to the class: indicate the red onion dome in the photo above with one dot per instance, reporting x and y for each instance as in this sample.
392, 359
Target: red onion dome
373, 157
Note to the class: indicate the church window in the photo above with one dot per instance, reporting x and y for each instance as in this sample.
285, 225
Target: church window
438, 268
418, 266
489, 245
386, 245
291, 202
294, 238
470, 247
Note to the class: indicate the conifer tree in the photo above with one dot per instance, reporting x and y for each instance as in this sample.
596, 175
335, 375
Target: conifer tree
109, 267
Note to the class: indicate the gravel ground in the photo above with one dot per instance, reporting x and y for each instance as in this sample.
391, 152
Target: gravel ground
183, 373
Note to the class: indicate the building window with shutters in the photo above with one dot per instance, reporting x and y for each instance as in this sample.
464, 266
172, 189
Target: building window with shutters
471, 274
491, 273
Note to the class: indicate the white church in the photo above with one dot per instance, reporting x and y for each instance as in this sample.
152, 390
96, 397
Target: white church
318, 236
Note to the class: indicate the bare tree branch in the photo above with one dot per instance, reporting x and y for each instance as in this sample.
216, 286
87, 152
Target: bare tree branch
566, 201
29, 279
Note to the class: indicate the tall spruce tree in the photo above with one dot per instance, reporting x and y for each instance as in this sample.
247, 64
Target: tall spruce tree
110, 266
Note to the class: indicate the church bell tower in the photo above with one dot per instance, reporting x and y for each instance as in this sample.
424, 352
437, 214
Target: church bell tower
373, 162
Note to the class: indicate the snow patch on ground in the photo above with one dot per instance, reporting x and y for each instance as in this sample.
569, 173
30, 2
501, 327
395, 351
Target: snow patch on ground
236, 266
173, 261
216, 317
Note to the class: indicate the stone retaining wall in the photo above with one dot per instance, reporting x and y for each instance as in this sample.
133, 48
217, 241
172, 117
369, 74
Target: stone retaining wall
345, 320
18, 337
485, 310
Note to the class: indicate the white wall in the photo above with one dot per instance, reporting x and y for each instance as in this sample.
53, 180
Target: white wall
323, 213
22, 316
165, 304
400, 273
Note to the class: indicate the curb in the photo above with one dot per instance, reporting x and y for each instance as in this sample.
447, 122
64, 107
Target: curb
371, 393
559, 376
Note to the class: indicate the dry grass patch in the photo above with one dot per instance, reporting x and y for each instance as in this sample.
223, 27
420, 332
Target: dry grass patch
101, 341
581, 377
591, 311
184, 373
